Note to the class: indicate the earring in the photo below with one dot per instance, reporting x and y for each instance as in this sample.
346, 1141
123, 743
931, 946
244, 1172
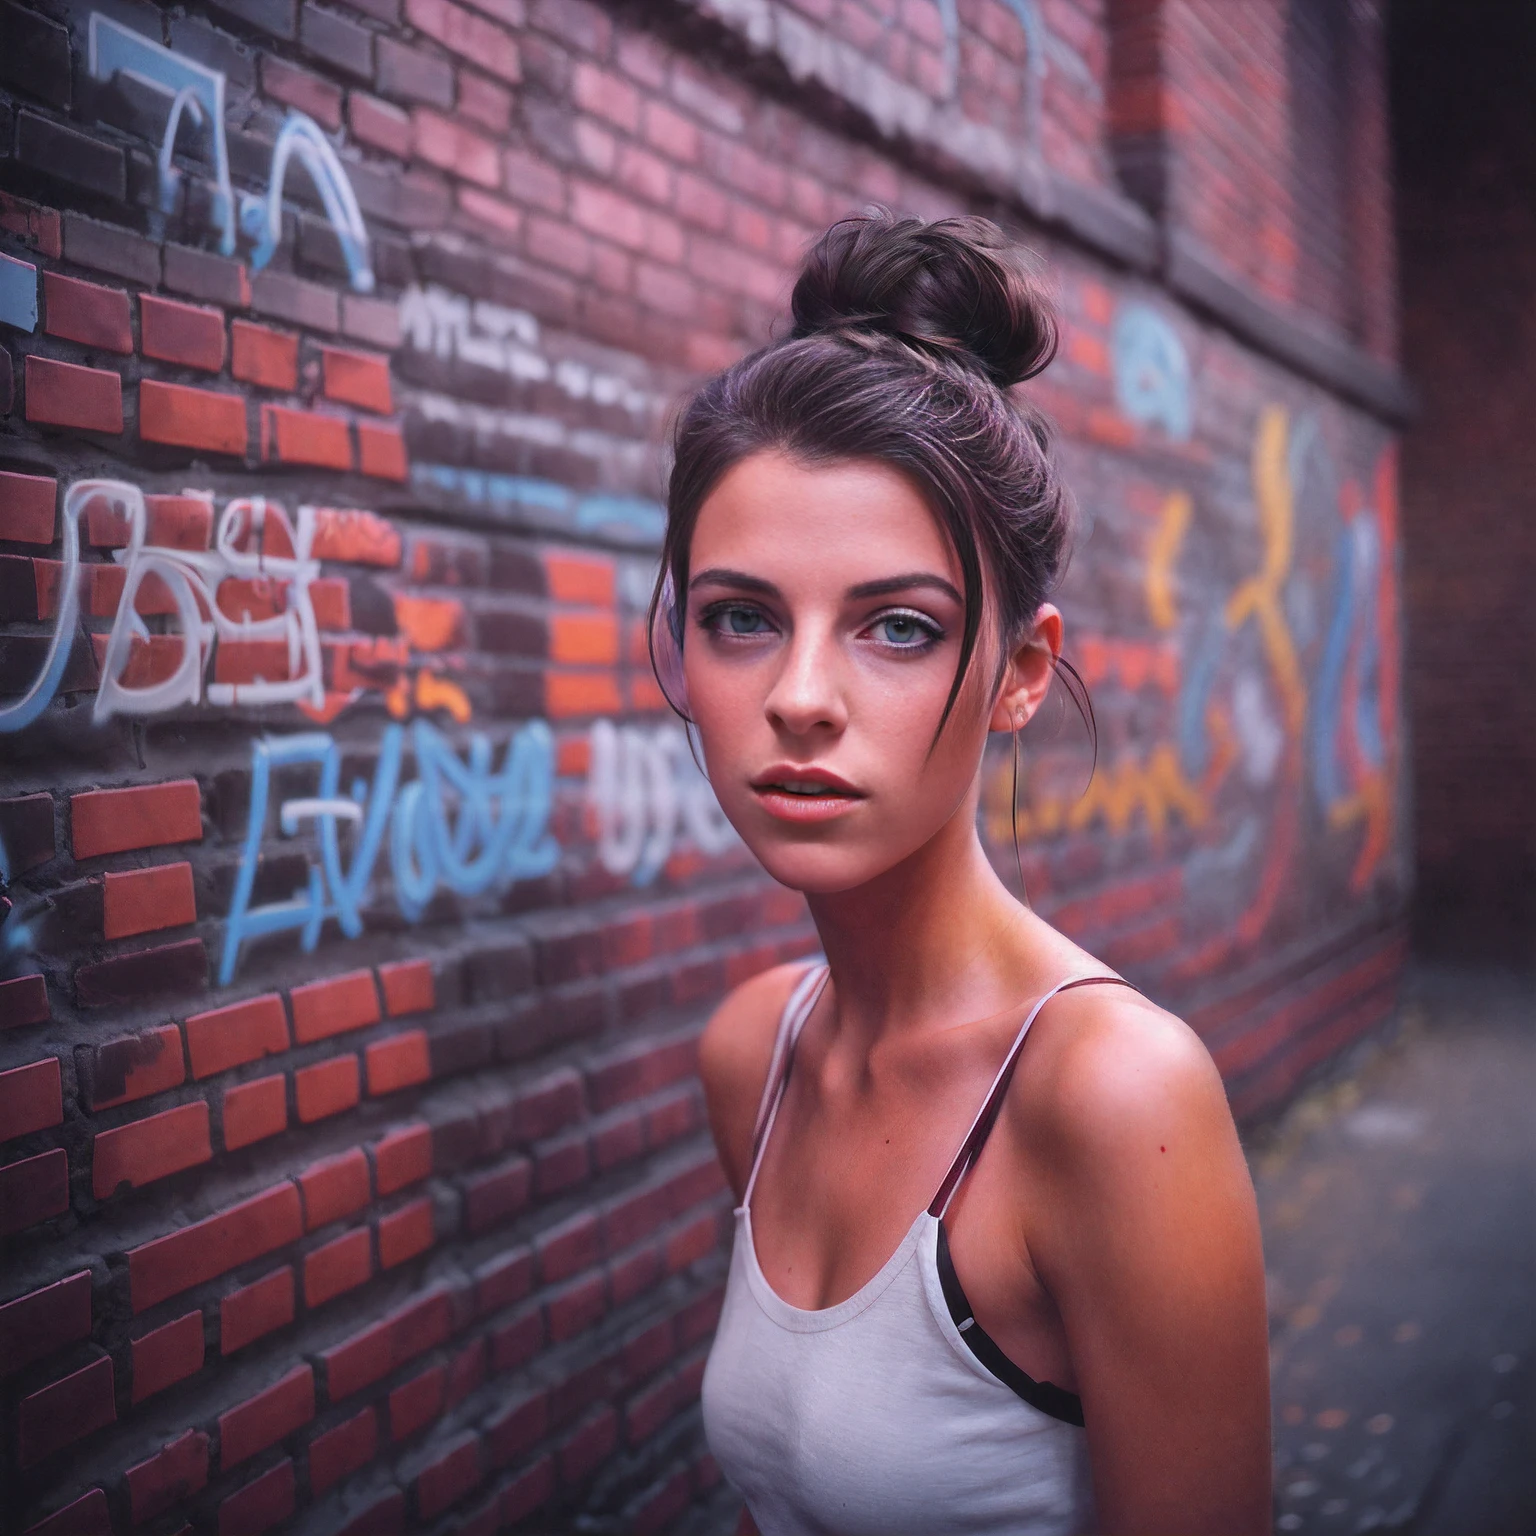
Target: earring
1018, 858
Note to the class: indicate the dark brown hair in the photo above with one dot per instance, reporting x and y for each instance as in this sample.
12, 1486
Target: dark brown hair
907, 337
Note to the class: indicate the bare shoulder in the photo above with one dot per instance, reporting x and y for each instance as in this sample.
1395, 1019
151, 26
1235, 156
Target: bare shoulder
734, 1053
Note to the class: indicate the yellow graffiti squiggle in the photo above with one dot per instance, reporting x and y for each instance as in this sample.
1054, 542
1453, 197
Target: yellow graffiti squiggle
1162, 556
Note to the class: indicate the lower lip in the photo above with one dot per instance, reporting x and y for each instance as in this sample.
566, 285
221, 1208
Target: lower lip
805, 808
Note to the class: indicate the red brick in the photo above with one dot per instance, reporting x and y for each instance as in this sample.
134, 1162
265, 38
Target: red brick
145, 900
517, 1428
373, 1353
362, 538
86, 1516
378, 124
67, 395
381, 451
530, 1489
331, 1007
480, 41
334, 1188
330, 598
37, 227
501, 1281
403, 1157
548, 1105
557, 1166
497, 1195
259, 354
31, 1098
64, 1411
699, 1237
89, 313
27, 505
249, 661
340, 1265
167, 1355
181, 333
341, 1451
264, 1502
516, 1341
446, 1480
633, 1071
24, 1000
33, 1189
241, 1032
192, 418
399, 1062
581, 1453
356, 378
405, 1233
415, 1403
255, 1110
167, 1478
408, 987
255, 1310
44, 1320
569, 1247
142, 1151
637, 1271
327, 1088
467, 1370
305, 437
442, 142
295, 87
147, 816
575, 1307
382, 1516
267, 1417
202, 1250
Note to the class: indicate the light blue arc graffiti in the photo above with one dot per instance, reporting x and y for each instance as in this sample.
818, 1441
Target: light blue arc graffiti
460, 825
1151, 371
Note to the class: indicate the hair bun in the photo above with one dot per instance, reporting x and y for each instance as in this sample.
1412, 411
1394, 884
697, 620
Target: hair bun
958, 288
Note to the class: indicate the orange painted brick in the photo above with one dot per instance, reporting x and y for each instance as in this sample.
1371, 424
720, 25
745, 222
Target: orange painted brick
579, 578
240, 1032
31, 1098
89, 313
331, 599
267, 1417
356, 378
340, 1265
402, 1061
568, 694
192, 418
333, 1188
149, 662
133, 1067
408, 987
146, 900
250, 661
153, 1148
341, 1451
146, 816
27, 505
261, 355
255, 1110
256, 1310
363, 538
405, 1233
167, 1355
187, 334
580, 638
67, 395
247, 599
305, 437
402, 1158
430, 623
327, 1088
381, 451
331, 1007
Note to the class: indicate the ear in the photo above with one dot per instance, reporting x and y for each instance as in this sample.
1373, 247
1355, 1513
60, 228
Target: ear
1027, 679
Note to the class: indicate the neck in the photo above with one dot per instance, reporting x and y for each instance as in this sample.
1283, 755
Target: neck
934, 941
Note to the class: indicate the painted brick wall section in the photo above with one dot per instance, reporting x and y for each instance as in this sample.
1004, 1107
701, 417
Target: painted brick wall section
353, 1168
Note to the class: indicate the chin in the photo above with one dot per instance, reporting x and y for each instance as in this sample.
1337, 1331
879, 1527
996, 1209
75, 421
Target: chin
819, 868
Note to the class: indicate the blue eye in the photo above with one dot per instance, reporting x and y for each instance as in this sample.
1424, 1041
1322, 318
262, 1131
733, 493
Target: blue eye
904, 631
736, 620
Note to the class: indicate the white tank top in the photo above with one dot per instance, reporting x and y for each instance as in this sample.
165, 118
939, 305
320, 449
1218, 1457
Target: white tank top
875, 1417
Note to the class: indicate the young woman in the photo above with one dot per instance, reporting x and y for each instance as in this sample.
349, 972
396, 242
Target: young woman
977, 1286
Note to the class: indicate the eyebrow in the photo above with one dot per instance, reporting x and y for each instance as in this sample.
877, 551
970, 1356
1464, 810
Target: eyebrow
719, 576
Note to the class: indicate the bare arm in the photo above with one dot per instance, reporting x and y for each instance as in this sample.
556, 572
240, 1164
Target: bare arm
1148, 1239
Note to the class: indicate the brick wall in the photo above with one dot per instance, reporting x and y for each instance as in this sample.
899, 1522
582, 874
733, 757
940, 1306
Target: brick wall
364, 902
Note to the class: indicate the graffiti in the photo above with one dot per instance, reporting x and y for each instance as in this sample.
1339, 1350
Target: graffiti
256, 548
197, 94
460, 825
643, 788
1151, 371
548, 505
1027, 13
1162, 557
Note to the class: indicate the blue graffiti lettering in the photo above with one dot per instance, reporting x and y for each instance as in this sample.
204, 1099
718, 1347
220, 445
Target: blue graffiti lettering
1151, 371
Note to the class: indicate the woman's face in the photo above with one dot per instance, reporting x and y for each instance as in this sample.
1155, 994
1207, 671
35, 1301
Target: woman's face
824, 615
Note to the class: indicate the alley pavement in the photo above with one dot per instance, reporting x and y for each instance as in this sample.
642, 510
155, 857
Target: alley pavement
1399, 1211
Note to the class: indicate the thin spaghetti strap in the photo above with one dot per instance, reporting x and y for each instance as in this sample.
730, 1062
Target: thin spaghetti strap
796, 1011
981, 1126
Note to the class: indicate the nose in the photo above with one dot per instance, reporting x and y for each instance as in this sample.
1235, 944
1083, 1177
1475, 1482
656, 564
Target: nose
807, 694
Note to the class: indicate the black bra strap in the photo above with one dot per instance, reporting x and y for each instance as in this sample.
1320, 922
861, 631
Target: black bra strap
1044, 1395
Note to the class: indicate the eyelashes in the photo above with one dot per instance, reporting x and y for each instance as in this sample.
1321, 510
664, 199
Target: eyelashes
904, 631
